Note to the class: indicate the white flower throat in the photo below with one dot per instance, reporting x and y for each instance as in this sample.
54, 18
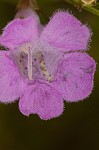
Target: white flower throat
27, 54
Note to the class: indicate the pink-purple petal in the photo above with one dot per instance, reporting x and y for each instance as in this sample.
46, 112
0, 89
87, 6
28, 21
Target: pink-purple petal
75, 76
20, 31
66, 33
41, 99
11, 82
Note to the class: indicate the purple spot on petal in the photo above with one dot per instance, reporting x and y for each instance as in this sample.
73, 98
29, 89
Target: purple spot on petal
22, 56
89, 70
65, 78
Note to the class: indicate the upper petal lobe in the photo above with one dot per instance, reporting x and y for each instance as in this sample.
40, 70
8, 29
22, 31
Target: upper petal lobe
65, 32
20, 31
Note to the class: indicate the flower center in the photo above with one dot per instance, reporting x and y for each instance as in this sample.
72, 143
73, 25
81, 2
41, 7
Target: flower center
32, 64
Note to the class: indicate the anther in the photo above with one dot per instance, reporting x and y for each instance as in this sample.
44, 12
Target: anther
43, 67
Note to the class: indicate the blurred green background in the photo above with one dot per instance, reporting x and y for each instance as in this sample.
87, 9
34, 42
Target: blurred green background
78, 127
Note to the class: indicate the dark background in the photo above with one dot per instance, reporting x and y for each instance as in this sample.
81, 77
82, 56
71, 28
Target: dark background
78, 127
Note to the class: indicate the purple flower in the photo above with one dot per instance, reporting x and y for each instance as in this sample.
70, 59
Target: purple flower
45, 65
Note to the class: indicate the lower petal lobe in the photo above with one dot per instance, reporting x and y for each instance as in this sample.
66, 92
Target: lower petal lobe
41, 99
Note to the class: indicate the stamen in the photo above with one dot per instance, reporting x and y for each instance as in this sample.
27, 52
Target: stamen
43, 67
30, 63
24, 48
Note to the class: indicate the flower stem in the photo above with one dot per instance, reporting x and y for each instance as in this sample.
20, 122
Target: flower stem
87, 7
92, 10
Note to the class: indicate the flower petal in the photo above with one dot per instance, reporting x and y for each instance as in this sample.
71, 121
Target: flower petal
41, 99
11, 82
65, 32
75, 76
20, 31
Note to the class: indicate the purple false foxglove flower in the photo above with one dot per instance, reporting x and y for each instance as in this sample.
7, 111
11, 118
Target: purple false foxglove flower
45, 65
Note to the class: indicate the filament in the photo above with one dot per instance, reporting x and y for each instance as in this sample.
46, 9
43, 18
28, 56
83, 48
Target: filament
30, 64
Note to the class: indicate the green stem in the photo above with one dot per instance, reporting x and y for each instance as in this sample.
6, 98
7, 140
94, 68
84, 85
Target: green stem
92, 10
88, 8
